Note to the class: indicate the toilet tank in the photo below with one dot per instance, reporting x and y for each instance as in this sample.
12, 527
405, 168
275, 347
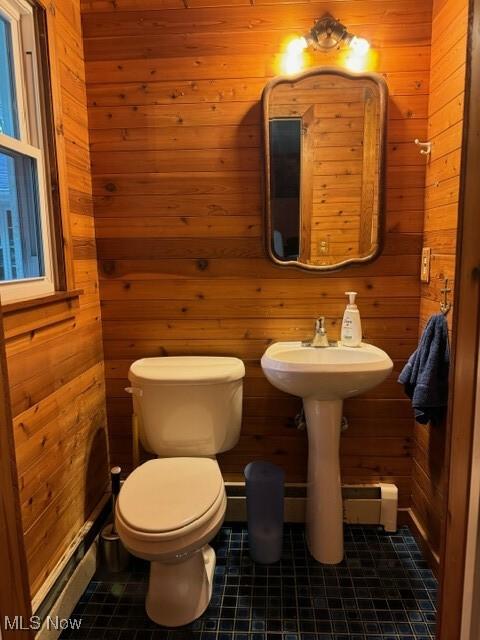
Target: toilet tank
187, 405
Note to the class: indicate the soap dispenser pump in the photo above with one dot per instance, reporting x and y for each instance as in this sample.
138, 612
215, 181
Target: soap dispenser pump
351, 335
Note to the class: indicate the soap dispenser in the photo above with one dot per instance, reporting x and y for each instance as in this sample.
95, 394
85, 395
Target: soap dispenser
351, 335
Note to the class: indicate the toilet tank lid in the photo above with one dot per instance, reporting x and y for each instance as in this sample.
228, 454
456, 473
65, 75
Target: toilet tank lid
186, 369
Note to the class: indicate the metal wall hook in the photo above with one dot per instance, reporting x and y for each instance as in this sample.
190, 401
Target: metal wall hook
445, 305
425, 147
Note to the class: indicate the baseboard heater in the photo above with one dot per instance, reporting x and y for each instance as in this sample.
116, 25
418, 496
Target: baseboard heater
375, 504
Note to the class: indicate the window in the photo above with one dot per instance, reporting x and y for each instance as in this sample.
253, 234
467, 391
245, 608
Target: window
26, 262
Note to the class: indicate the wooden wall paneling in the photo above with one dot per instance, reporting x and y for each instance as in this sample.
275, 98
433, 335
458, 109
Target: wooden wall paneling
145, 17
175, 135
54, 351
442, 195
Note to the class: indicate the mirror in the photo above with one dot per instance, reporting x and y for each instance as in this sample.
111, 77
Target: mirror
324, 134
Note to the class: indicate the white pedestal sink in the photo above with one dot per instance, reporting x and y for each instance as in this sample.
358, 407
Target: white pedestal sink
323, 377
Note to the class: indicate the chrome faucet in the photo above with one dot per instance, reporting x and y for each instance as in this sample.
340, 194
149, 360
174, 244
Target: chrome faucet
320, 338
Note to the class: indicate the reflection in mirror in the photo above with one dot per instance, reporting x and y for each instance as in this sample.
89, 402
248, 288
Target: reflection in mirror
285, 147
324, 133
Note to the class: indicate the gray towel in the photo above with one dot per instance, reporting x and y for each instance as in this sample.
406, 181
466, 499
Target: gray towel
425, 375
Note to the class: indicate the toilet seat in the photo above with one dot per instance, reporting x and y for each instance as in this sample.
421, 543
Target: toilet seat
170, 498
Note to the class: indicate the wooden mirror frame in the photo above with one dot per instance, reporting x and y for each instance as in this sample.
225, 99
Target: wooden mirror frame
383, 94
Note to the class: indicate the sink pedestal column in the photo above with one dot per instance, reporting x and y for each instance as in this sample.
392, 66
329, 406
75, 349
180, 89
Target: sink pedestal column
324, 526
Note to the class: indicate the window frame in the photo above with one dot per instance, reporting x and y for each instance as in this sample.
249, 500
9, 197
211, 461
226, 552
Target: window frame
31, 143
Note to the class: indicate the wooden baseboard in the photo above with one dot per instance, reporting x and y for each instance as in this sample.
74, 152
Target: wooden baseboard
421, 537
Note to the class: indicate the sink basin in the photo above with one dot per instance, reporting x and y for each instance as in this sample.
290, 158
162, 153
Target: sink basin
328, 373
323, 377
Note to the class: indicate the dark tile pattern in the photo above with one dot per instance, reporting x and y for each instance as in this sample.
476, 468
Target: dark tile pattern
383, 590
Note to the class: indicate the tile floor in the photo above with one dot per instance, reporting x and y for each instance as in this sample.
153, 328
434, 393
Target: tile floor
383, 590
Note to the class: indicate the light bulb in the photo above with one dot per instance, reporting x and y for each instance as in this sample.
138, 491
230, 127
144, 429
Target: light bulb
296, 46
292, 61
292, 65
359, 45
356, 62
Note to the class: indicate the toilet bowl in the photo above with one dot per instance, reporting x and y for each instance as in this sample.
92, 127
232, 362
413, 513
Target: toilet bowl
170, 508
167, 513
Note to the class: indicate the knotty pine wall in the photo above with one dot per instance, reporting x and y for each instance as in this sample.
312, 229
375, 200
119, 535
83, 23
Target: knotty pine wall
175, 131
445, 126
54, 351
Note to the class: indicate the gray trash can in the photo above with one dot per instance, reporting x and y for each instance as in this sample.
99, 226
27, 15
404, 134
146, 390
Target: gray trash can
264, 484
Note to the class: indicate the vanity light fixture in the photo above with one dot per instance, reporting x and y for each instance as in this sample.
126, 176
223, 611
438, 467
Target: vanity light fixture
326, 34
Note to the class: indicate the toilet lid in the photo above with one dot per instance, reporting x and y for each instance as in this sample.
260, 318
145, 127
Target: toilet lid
168, 494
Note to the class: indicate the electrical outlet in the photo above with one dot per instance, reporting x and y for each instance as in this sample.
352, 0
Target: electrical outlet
425, 267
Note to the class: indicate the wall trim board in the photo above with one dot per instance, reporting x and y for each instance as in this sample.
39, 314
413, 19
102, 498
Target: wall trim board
14, 600
419, 533
466, 340
63, 240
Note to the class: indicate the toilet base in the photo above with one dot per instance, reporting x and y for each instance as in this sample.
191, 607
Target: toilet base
179, 593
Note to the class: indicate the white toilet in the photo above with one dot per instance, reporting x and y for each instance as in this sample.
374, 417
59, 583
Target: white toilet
188, 410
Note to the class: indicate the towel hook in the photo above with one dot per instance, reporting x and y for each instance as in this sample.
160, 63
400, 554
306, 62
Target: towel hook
445, 305
425, 147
